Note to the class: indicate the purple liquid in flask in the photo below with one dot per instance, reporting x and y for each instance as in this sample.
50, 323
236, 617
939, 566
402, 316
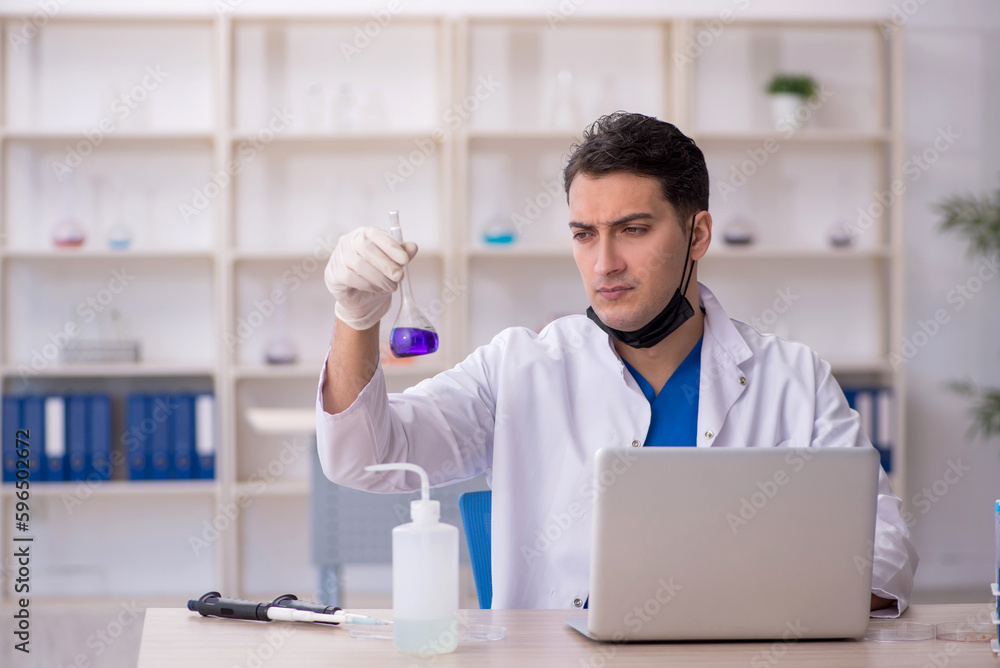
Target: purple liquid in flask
412, 333
410, 341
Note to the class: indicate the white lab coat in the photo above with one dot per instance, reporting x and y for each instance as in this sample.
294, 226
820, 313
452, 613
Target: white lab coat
530, 410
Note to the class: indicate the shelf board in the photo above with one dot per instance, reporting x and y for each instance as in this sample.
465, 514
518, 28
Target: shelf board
110, 370
858, 365
253, 255
311, 371
366, 136
281, 420
278, 371
87, 254
525, 135
118, 488
102, 18
804, 136
516, 252
274, 488
753, 252
131, 136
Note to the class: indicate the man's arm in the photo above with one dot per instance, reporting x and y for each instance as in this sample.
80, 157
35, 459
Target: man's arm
350, 366
878, 603
894, 559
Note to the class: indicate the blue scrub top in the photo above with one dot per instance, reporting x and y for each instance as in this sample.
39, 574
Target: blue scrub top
674, 419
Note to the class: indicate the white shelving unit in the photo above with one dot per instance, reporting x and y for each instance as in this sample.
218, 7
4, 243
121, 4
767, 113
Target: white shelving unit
457, 122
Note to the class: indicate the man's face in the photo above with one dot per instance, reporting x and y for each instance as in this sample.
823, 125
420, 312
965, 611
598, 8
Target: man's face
628, 246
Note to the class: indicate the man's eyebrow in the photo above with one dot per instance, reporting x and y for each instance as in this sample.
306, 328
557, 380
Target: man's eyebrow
624, 220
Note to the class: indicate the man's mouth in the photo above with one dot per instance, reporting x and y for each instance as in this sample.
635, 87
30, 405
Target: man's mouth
613, 292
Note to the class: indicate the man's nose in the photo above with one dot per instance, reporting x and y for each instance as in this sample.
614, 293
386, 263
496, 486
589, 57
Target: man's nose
609, 260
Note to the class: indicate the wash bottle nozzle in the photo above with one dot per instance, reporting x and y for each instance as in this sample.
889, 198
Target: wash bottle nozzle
422, 510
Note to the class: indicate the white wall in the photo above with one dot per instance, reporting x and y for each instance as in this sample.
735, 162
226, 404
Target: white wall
952, 81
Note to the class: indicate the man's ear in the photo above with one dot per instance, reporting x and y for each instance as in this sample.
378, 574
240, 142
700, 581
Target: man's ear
702, 235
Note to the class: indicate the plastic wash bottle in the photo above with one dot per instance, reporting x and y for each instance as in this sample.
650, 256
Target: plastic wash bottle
424, 575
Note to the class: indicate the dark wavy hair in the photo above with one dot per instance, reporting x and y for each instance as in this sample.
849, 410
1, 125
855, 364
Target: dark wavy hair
646, 146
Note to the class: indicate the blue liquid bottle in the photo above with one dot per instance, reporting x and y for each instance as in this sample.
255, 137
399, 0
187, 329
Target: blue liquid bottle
412, 333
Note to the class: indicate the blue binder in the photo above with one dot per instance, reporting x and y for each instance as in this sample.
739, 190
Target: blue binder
184, 435
11, 423
34, 422
76, 437
99, 423
158, 408
135, 439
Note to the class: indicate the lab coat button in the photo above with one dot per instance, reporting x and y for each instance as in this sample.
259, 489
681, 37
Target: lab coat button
709, 434
636, 444
743, 380
578, 603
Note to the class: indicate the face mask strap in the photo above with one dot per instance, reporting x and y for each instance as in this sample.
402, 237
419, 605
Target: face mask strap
687, 255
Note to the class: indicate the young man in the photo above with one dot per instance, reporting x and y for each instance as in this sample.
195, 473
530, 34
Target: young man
655, 362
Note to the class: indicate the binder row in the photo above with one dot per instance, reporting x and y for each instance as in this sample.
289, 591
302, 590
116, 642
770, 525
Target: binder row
876, 407
166, 437
69, 436
170, 436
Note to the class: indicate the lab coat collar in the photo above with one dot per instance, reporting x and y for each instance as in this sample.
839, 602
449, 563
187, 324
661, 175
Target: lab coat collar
722, 380
722, 329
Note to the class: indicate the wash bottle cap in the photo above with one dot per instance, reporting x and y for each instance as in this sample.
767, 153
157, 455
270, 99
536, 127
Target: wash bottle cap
422, 511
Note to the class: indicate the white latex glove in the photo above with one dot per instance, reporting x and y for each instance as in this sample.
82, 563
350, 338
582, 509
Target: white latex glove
363, 271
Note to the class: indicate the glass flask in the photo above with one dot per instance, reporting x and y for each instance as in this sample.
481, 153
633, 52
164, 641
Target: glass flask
412, 333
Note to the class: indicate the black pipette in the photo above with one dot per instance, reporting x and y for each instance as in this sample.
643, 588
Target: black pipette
284, 608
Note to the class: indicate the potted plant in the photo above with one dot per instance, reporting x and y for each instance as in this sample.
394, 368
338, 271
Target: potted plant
788, 93
979, 221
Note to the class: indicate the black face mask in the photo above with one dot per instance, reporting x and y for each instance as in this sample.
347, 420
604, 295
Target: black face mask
674, 314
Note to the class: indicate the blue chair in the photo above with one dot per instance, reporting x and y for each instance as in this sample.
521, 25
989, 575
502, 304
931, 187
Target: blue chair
477, 511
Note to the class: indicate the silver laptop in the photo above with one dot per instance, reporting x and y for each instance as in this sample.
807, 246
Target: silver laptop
731, 543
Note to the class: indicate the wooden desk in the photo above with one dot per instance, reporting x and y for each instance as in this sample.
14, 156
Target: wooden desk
178, 638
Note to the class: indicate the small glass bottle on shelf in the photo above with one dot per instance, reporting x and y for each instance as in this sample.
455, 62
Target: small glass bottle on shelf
69, 231
120, 232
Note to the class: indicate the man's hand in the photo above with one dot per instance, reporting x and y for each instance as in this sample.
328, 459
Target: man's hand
879, 603
363, 271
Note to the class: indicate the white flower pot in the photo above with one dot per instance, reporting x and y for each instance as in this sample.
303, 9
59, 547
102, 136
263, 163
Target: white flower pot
784, 107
